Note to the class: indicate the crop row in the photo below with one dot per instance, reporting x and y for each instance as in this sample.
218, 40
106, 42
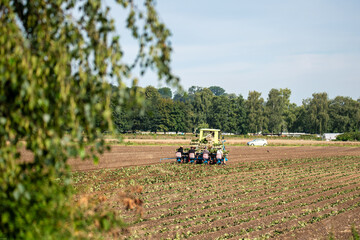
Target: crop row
309, 216
212, 187
188, 189
256, 210
160, 173
201, 189
271, 218
232, 204
320, 179
257, 199
200, 186
236, 195
218, 181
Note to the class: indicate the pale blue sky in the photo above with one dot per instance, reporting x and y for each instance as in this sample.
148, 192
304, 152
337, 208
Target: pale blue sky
307, 46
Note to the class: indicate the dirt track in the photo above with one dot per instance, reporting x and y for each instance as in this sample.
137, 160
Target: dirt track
122, 156
132, 155
239, 141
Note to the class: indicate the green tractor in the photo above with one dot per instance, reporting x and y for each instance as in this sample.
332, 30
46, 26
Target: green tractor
211, 140
209, 148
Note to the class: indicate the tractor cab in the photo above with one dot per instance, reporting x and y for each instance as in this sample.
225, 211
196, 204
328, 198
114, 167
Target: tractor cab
209, 136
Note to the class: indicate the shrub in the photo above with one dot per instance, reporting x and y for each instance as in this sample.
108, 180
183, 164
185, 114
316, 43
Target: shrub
349, 136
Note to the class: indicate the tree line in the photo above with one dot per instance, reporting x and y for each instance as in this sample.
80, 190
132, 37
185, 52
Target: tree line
212, 107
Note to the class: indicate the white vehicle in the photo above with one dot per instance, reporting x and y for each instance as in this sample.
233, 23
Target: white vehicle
258, 142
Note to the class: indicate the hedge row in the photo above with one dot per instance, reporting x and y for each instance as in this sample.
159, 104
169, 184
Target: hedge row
349, 136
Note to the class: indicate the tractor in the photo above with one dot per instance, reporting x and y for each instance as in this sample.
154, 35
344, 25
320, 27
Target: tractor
206, 149
208, 138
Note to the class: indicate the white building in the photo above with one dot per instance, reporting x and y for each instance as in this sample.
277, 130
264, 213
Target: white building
330, 136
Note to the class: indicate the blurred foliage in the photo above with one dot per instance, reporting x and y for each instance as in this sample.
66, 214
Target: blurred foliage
349, 136
57, 58
217, 91
165, 92
354, 233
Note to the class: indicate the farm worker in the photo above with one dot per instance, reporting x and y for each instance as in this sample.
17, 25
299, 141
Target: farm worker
181, 150
219, 156
206, 154
180, 154
192, 154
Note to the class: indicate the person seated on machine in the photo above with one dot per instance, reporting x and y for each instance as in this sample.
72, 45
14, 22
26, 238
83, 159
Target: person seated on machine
206, 155
180, 154
219, 157
192, 157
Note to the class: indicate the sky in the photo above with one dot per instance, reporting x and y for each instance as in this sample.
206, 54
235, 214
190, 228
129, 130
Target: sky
308, 46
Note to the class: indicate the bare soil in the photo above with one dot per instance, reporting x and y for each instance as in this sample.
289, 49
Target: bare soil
314, 197
238, 141
123, 156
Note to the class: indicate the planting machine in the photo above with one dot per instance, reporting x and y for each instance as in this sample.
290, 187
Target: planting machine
207, 149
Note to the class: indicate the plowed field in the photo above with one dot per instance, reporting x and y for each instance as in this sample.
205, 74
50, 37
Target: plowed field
278, 192
121, 156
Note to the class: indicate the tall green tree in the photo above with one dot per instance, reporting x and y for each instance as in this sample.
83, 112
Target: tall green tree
165, 92
318, 110
217, 91
274, 110
182, 115
127, 115
290, 117
239, 106
301, 121
201, 106
277, 109
344, 114
174, 116
151, 119
255, 112
225, 113
194, 89
56, 60
219, 113
166, 121
235, 117
181, 96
